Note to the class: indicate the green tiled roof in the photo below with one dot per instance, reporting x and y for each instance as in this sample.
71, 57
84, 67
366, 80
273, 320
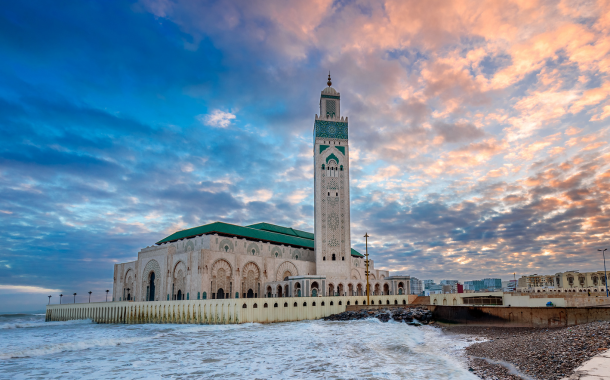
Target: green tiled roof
260, 231
282, 230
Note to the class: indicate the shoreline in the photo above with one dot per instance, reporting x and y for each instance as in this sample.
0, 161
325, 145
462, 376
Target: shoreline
513, 353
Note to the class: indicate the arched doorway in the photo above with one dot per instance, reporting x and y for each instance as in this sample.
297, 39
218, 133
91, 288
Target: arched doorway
340, 289
350, 289
220, 294
151, 287
376, 290
359, 289
250, 294
331, 290
279, 291
179, 295
386, 289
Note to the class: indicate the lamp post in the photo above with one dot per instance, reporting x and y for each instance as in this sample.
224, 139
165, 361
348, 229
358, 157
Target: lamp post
366, 237
90, 296
605, 273
50, 299
61, 295
107, 295
74, 297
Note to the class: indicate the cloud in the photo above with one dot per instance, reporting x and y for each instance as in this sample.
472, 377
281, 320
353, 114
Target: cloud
453, 133
217, 118
26, 289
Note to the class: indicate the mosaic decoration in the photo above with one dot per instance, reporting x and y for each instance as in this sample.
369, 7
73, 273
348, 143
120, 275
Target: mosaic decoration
330, 129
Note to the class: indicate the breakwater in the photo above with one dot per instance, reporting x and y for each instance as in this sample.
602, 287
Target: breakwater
223, 311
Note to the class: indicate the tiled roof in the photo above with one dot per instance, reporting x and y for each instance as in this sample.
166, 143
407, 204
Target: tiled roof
260, 231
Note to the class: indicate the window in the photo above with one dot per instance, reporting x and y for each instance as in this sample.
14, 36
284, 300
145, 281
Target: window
244, 306
226, 248
331, 303
340, 303
342, 258
329, 193
255, 306
395, 302
334, 257
253, 252
304, 303
324, 258
356, 303
313, 304
322, 303
323, 167
265, 305
295, 304
275, 304
285, 304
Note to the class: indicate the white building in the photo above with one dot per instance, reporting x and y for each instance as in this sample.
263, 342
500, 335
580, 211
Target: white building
417, 286
221, 260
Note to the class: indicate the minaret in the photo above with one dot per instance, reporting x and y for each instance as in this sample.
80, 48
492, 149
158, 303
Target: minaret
331, 188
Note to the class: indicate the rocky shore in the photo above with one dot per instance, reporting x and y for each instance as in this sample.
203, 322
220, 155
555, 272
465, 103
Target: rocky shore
415, 316
528, 353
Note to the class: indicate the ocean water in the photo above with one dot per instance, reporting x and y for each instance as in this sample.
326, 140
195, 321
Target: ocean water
368, 349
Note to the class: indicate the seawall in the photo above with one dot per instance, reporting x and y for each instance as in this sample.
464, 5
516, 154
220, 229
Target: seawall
223, 311
542, 317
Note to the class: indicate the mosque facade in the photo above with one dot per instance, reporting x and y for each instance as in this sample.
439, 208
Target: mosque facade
222, 261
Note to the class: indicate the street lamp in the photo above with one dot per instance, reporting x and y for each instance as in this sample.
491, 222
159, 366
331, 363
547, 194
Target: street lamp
90, 296
74, 297
61, 295
107, 295
605, 273
50, 299
366, 237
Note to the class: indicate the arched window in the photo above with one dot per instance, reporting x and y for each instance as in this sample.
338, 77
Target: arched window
356, 303
285, 304
341, 168
323, 167
329, 193
331, 303
342, 258
347, 303
295, 304
275, 304
313, 304
304, 303
340, 303
334, 257
255, 306
265, 305
395, 302
322, 303
244, 306
324, 258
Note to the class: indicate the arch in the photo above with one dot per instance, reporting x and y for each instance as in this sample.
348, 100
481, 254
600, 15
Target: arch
244, 306
377, 290
286, 268
130, 284
331, 289
253, 249
454, 302
313, 304
226, 245
386, 289
340, 289
355, 274
444, 301
255, 306
331, 157
151, 269
295, 304
350, 289
276, 252
285, 304
250, 282
304, 303
340, 303
222, 273
280, 292
275, 304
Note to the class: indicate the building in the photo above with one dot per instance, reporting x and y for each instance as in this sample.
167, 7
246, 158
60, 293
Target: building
474, 285
449, 286
492, 284
417, 286
570, 281
509, 286
427, 284
222, 260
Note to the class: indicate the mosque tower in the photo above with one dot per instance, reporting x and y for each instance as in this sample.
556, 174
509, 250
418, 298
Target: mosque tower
331, 188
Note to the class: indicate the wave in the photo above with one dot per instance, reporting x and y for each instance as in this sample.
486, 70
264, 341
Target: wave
70, 346
40, 323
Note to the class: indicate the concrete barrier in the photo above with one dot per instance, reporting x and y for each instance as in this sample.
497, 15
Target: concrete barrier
543, 317
223, 311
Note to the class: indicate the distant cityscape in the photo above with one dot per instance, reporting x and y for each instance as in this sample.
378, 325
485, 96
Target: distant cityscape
570, 281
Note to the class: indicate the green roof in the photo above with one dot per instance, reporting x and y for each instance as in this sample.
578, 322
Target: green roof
260, 231
282, 230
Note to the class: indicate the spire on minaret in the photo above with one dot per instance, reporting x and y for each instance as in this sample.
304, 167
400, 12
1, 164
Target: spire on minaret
329, 83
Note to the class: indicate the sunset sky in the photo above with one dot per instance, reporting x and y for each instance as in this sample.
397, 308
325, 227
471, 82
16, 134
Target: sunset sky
478, 131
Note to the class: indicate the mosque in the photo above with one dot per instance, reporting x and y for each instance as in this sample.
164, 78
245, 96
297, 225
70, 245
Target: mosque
221, 260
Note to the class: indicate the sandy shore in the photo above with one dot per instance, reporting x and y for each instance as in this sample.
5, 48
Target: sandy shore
528, 353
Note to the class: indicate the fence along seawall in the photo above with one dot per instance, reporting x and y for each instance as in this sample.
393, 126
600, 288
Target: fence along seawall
223, 311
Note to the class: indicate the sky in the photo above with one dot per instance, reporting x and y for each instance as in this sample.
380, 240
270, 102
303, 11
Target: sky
478, 131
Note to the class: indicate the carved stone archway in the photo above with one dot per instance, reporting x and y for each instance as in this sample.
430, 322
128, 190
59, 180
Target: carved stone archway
286, 269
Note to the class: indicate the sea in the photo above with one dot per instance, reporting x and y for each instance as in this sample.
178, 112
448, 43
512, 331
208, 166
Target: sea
31, 348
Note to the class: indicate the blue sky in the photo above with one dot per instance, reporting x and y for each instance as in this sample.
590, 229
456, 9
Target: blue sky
478, 133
